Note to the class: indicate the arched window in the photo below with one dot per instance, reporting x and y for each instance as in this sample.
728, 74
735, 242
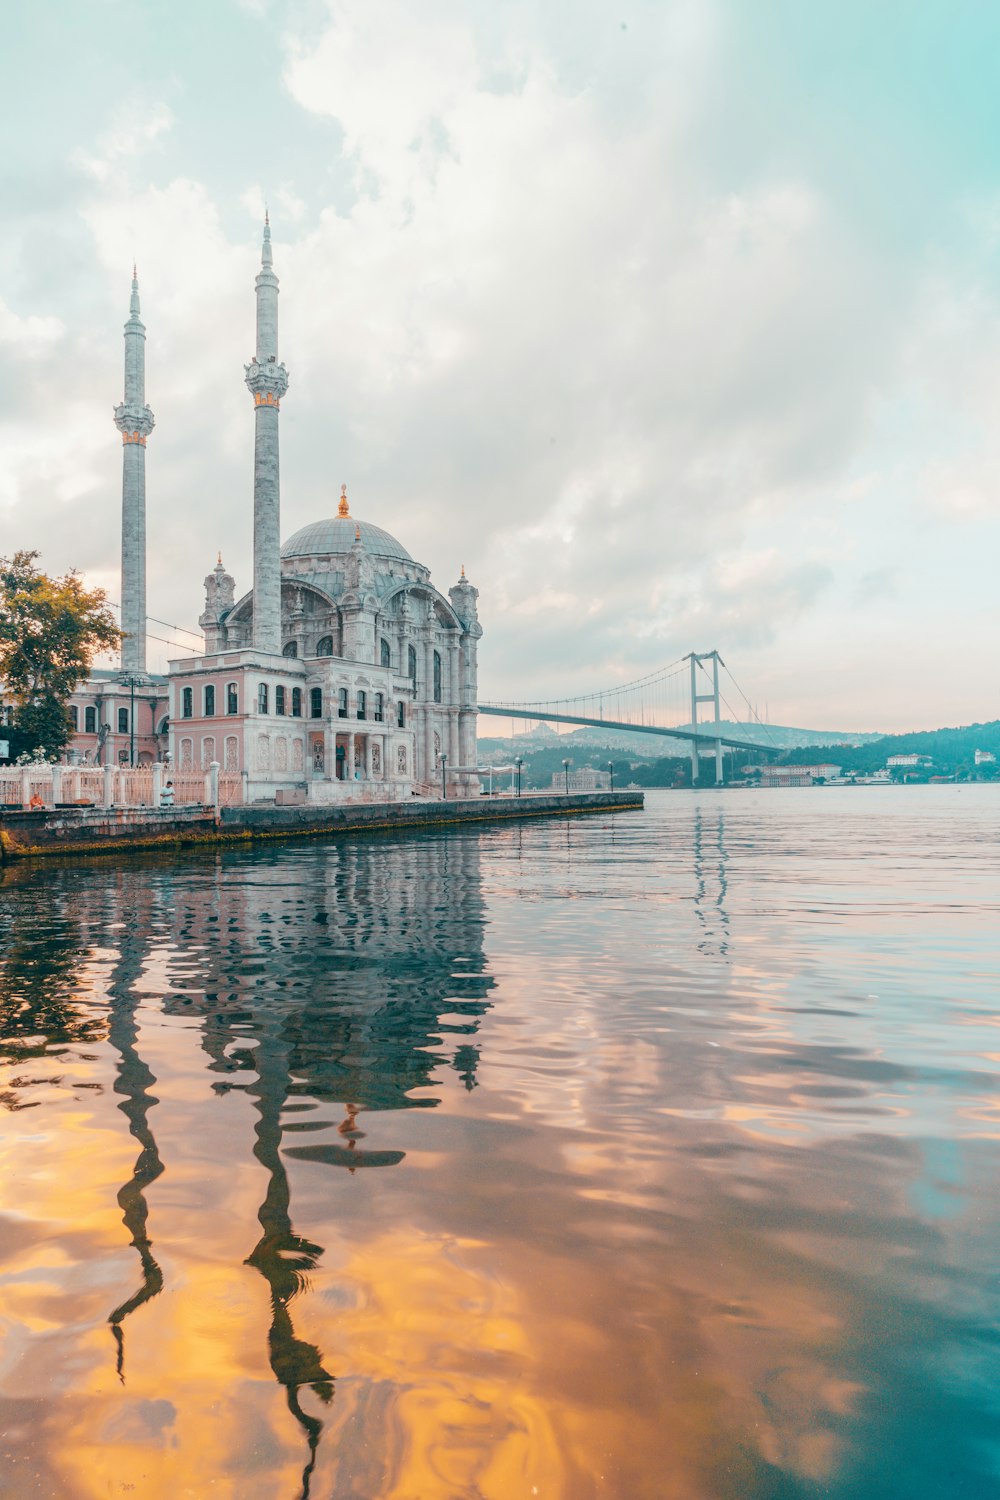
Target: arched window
210, 702
437, 677
377, 709
401, 714
123, 721
279, 699
341, 703
411, 664
385, 655
291, 649
187, 703
74, 717
324, 647
90, 721
232, 698
362, 703
316, 703
296, 703
262, 698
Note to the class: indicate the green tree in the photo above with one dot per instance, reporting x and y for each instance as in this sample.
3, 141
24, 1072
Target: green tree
50, 631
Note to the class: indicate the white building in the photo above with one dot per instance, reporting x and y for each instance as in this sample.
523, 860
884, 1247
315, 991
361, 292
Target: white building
343, 674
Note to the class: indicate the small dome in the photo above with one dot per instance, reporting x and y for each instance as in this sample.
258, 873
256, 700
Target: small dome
335, 537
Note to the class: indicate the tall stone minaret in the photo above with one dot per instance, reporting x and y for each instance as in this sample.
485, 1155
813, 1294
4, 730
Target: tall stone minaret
267, 381
134, 421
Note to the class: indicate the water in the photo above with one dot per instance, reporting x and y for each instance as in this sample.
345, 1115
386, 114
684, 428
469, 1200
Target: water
645, 1158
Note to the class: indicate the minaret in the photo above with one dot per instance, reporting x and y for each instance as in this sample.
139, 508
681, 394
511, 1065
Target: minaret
267, 381
134, 421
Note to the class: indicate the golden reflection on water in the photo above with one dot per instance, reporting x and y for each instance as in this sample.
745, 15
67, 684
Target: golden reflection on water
404, 1171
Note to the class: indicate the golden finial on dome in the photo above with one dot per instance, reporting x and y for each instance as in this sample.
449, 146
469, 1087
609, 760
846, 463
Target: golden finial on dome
463, 570
219, 561
343, 509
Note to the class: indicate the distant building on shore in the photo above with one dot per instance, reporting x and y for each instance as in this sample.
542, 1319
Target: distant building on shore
798, 775
586, 779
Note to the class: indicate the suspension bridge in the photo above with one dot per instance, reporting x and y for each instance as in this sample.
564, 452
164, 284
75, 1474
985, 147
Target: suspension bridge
668, 702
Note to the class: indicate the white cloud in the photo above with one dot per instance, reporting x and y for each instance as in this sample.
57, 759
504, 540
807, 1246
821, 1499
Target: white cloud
32, 335
649, 410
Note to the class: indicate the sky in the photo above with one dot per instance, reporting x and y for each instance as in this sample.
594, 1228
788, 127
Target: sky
676, 322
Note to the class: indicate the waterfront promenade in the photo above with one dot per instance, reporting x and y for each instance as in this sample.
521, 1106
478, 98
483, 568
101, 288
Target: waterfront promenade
77, 831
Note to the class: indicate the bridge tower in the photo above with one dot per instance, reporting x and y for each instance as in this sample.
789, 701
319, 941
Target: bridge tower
696, 698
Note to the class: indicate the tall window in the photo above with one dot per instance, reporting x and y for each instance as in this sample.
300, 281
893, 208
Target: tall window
341, 703
262, 698
316, 703
411, 664
90, 720
210, 701
187, 703
292, 649
325, 646
385, 655
362, 704
232, 698
296, 703
401, 714
437, 677
279, 700
74, 717
377, 710
123, 721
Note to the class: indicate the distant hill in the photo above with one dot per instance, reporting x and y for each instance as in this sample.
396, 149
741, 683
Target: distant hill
652, 746
652, 760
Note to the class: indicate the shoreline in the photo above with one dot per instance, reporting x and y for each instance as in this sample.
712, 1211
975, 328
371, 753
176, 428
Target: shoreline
67, 833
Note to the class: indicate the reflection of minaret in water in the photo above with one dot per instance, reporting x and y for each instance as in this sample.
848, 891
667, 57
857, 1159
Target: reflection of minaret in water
132, 1081
703, 905
281, 1256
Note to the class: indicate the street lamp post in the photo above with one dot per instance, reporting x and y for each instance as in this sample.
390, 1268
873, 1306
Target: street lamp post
566, 775
611, 773
132, 682
518, 762
444, 781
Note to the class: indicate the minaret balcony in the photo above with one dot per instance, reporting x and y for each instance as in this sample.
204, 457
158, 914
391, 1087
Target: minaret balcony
134, 422
267, 381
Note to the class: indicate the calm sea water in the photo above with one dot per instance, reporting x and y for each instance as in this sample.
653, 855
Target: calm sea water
652, 1157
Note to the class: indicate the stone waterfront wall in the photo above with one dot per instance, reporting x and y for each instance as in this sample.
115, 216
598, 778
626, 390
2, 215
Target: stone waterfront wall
73, 831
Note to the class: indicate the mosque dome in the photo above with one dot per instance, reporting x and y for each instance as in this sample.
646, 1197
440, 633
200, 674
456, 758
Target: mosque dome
336, 535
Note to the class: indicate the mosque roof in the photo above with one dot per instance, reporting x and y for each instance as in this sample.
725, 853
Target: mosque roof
336, 536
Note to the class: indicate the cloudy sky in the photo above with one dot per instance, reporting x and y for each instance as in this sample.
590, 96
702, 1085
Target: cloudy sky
676, 321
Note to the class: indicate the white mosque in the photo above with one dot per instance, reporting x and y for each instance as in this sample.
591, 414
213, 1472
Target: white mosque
342, 675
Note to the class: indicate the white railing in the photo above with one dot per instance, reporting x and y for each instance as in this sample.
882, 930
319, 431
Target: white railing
189, 787
230, 789
157, 786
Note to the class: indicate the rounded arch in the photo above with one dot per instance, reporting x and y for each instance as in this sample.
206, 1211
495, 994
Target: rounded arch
420, 590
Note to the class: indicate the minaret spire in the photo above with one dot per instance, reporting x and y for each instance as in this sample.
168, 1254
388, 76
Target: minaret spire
267, 381
134, 421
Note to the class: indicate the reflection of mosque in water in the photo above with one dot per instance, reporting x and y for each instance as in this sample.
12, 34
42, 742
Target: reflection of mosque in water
318, 977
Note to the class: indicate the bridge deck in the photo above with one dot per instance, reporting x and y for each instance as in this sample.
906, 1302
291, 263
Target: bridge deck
539, 717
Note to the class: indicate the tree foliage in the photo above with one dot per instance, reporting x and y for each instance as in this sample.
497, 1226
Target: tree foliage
50, 631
